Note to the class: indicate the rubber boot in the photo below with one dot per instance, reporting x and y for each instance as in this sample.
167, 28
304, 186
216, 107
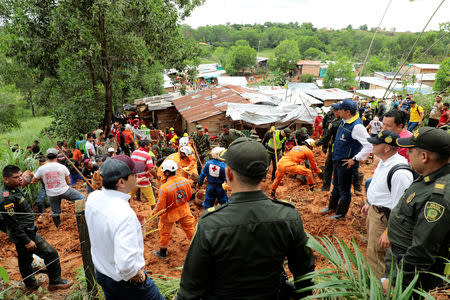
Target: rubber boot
57, 221
162, 253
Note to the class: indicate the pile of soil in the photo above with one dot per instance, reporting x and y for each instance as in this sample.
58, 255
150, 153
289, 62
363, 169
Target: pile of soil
65, 238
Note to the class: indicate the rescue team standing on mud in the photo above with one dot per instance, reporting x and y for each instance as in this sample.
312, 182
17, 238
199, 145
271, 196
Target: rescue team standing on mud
238, 246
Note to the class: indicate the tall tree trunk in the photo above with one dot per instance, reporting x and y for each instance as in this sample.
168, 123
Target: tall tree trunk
106, 67
94, 80
30, 101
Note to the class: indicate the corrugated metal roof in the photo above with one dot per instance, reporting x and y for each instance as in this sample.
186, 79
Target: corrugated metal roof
329, 94
427, 66
309, 62
207, 103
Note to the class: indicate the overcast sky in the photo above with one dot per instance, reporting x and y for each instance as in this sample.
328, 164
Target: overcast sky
403, 15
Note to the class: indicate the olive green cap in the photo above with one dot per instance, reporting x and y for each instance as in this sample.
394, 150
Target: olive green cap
287, 131
199, 127
428, 138
247, 157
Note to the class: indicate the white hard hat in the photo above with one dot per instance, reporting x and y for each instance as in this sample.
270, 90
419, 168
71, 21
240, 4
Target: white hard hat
309, 141
186, 150
110, 149
318, 110
184, 141
169, 165
216, 151
127, 126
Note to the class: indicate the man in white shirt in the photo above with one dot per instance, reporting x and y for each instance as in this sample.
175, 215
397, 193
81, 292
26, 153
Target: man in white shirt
117, 245
90, 149
380, 199
56, 178
349, 148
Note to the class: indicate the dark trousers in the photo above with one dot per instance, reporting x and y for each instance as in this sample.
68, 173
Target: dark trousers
341, 195
433, 122
328, 171
328, 174
215, 192
273, 160
45, 251
126, 290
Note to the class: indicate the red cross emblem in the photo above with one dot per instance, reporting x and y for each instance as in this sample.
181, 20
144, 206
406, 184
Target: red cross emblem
214, 169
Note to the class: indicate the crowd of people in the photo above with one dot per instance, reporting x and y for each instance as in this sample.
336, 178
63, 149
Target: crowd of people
240, 242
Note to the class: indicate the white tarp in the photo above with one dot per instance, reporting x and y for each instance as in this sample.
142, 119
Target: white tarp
258, 114
301, 98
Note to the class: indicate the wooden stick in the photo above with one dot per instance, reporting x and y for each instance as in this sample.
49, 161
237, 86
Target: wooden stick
68, 159
275, 148
196, 154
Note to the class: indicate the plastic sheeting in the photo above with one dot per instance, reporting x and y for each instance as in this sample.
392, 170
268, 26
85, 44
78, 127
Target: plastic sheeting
261, 115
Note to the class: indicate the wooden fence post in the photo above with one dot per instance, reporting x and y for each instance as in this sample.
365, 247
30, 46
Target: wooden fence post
88, 265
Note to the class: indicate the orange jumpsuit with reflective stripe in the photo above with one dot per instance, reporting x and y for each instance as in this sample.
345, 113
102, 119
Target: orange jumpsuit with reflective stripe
290, 163
190, 163
173, 198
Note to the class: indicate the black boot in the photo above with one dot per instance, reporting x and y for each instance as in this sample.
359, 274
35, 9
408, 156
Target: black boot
57, 221
162, 253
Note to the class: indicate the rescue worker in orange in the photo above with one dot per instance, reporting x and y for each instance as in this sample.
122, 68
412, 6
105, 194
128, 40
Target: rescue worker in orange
173, 206
290, 163
187, 164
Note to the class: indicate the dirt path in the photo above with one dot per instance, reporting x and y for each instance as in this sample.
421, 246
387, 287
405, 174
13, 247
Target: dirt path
65, 238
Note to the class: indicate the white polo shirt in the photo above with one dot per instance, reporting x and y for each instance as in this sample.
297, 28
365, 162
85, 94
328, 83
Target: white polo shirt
378, 193
117, 245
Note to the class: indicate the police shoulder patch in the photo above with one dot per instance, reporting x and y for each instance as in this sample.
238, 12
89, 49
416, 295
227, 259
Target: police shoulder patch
410, 198
6, 194
212, 210
433, 211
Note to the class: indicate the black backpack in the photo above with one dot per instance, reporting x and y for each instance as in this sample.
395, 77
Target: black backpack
400, 167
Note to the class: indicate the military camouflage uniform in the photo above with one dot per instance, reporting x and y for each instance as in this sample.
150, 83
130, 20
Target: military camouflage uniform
226, 139
203, 146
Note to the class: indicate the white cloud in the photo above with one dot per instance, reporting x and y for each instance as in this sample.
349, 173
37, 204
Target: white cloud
403, 15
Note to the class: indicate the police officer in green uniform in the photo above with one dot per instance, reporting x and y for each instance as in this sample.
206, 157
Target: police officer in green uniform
202, 144
239, 248
228, 136
419, 226
327, 146
18, 217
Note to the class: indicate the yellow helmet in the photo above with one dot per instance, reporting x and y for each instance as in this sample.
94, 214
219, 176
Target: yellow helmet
171, 128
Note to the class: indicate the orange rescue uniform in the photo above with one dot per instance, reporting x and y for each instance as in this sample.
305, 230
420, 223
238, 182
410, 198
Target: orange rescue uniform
190, 163
290, 163
174, 196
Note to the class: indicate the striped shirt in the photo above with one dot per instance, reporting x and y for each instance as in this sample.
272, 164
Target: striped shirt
142, 155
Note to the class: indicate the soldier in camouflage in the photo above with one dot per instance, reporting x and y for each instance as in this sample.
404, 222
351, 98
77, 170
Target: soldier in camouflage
201, 142
228, 136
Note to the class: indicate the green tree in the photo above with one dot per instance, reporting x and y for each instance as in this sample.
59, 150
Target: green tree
443, 77
117, 46
306, 42
340, 74
314, 54
286, 55
376, 64
239, 58
221, 54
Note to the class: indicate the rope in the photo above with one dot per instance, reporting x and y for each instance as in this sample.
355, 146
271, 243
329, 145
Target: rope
412, 49
371, 42
35, 272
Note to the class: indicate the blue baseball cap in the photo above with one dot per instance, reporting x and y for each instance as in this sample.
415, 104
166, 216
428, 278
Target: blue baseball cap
348, 104
336, 106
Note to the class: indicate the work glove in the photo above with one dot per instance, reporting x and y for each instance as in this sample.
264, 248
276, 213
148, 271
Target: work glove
272, 129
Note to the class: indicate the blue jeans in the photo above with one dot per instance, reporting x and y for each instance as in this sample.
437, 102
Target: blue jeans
124, 290
367, 183
55, 201
213, 192
412, 126
40, 199
341, 196
74, 178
